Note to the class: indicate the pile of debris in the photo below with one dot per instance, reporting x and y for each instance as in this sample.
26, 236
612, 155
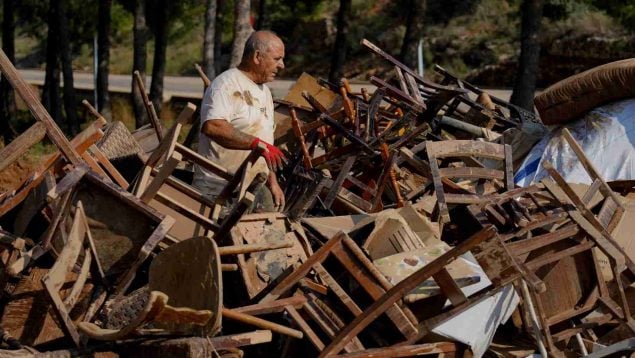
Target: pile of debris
403, 234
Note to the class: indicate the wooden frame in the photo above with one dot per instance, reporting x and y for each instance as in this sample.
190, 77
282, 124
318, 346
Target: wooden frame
124, 208
80, 241
486, 246
355, 262
169, 154
470, 150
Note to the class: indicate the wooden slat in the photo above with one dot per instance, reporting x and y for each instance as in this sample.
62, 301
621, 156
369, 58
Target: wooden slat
524, 246
472, 173
438, 349
297, 318
108, 167
166, 170
14, 150
465, 148
32, 101
203, 162
274, 306
449, 287
187, 212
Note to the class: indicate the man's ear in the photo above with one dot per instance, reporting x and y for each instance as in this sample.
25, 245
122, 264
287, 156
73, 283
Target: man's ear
256, 57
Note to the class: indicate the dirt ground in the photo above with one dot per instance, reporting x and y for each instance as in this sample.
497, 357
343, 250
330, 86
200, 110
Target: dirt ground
16, 173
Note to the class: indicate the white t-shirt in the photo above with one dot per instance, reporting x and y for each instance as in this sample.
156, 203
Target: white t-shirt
248, 107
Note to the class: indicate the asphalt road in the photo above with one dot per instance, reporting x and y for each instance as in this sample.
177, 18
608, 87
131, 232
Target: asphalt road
188, 87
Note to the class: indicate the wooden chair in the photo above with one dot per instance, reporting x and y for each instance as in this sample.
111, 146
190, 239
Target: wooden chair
356, 267
138, 227
556, 248
157, 184
470, 152
498, 264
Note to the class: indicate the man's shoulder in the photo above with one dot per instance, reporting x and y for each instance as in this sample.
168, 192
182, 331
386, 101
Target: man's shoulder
228, 76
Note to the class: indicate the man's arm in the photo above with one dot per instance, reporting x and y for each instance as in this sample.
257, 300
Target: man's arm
223, 133
276, 192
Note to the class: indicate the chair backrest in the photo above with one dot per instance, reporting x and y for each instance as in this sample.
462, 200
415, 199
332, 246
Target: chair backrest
472, 169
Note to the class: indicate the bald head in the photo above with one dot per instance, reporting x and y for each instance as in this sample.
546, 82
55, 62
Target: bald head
263, 56
260, 41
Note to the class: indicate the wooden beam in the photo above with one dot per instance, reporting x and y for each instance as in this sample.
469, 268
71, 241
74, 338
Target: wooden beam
24, 90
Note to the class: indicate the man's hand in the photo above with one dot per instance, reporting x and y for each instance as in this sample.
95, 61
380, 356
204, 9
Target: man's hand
276, 192
273, 156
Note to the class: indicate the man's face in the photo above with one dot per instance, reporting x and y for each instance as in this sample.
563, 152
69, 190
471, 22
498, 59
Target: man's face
269, 62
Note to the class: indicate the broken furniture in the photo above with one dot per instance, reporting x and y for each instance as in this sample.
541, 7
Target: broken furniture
476, 189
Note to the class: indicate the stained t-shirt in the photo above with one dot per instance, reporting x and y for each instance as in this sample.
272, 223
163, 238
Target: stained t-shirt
248, 107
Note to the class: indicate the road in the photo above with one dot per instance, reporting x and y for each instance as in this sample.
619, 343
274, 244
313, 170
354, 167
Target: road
188, 87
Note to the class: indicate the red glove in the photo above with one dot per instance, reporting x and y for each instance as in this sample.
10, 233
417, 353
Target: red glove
273, 156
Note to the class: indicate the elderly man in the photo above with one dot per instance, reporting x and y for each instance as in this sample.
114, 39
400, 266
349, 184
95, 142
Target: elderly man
237, 115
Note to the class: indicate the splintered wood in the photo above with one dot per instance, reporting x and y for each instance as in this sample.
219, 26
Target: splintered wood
403, 234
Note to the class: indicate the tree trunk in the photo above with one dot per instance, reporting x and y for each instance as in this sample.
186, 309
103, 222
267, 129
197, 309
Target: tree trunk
208, 43
51, 91
242, 30
70, 103
525, 83
139, 57
218, 35
414, 32
158, 64
103, 58
7, 96
262, 14
339, 49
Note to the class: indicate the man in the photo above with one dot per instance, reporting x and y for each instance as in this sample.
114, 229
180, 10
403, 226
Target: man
237, 115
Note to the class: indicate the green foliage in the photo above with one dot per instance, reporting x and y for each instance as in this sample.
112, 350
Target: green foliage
623, 10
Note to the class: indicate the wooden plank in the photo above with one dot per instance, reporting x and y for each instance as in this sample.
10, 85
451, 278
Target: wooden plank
337, 289
56, 277
152, 113
524, 246
545, 260
32, 101
14, 150
472, 173
401, 80
94, 166
191, 346
109, 168
337, 184
465, 148
166, 170
297, 318
438, 348
249, 248
414, 87
590, 193
261, 323
187, 212
276, 306
449, 287
196, 158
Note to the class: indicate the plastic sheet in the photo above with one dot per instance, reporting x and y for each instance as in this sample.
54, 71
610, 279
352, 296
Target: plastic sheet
607, 136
